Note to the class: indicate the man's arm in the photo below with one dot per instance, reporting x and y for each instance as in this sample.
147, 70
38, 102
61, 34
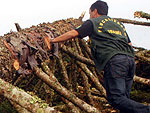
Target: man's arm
66, 36
85, 30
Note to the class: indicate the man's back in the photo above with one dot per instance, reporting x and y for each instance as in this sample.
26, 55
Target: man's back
109, 38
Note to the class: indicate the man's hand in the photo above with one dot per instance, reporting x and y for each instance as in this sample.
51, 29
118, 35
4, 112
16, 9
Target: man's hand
47, 40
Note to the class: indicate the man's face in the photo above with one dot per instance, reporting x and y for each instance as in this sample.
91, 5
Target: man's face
92, 13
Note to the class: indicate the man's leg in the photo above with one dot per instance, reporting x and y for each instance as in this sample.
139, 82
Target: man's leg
115, 78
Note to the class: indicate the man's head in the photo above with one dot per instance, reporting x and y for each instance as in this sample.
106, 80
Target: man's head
98, 8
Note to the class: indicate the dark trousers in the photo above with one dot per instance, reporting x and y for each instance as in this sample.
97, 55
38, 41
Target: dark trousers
118, 79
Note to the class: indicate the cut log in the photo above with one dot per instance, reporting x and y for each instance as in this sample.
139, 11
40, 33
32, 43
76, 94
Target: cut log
128, 21
142, 80
31, 103
141, 14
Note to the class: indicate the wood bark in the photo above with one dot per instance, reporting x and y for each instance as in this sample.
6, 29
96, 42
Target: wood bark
141, 14
19, 108
128, 21
32, 104
77, 56
142, 80
52, 82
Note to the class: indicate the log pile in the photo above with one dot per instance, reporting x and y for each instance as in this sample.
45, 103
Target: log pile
65, 82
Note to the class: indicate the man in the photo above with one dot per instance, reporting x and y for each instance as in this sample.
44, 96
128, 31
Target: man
112, 51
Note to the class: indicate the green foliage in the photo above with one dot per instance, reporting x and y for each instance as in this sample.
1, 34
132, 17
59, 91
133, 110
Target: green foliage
6, 107
140, 93
140, 96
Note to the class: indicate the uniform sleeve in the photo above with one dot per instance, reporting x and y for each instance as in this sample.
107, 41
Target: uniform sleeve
85, 29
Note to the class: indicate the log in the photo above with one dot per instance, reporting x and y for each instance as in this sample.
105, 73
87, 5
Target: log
143, 56
77, 56
52, 82
141, 14
128, 21
32, 104
19, 108
142, 80
18, 27
73, 108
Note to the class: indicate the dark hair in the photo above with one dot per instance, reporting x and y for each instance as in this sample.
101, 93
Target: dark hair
101, 7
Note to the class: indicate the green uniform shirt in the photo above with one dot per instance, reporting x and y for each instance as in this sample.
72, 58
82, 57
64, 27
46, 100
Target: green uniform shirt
109, 38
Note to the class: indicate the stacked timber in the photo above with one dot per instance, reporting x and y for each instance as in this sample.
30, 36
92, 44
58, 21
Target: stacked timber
35, 78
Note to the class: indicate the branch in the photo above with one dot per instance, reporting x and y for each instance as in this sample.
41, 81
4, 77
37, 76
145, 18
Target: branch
93, 78
141, 14
77, 56
31, 103
73, 108
52, 82
82, 15
18, 27
133, 22
19, 108
64, 71
141, 55
86, 48
87, 88
142, 80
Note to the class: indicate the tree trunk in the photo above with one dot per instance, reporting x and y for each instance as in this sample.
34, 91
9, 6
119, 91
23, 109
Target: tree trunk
128, 21
31, 103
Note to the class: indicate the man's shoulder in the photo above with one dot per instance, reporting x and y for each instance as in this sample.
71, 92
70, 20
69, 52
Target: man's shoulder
100, 18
